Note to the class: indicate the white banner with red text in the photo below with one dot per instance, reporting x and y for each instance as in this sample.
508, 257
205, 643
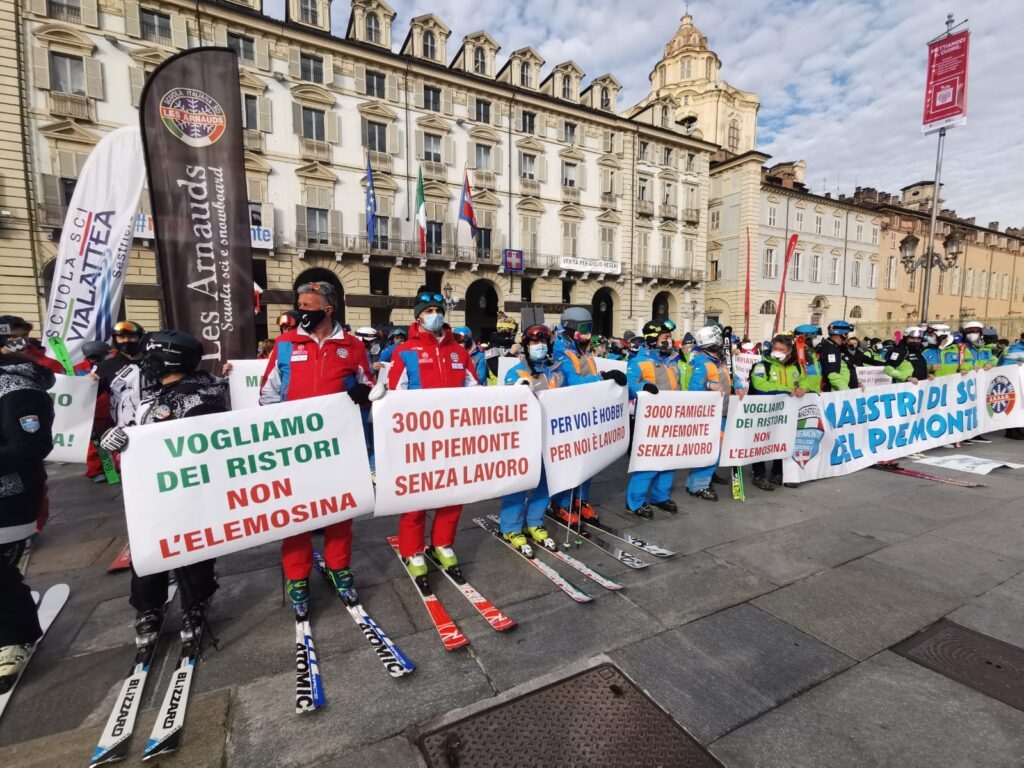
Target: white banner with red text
585, 429
74, 405
872, 375
841, 432
202, 487
675, 430
759, 428
742, 363
244, 383
438, 447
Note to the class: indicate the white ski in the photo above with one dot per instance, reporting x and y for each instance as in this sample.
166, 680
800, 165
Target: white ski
51, 604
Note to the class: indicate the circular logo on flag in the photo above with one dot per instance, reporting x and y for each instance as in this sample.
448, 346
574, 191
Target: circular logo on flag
1000, 397
192, 116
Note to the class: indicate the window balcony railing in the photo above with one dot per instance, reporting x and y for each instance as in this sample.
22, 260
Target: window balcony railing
645, 207
570, 195
484, 180
314, 149
380, 161
64, 12
70, 105
155, 34
609, 201
668, 272
530, 187
51, 213
691, 215
669, 211
252, 139
435, 171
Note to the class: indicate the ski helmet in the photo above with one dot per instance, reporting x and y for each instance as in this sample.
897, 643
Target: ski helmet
95, 351
652, 330
288, 320
398, 333
708, 336
171, 352
913, 332
577, 320
840, 328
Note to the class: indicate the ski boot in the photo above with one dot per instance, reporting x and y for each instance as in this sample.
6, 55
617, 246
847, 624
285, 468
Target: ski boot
540, 535
13, 659
193, 622
566, 517
586, 511
445, 557
763, 483
345, 583
518, 540
147, 627
298, 592
667, 505
416, 565
708, 494
644, 511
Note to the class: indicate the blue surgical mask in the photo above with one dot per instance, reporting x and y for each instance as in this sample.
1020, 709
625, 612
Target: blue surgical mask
434, 322
538, 352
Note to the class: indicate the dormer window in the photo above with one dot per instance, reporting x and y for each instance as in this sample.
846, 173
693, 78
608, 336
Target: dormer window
566, 87
429, 46
524, 74
686, 69
606, 99
309, 12
664, 116
372, 28
479, 61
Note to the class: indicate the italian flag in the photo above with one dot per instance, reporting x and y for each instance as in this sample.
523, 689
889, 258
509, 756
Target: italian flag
421, 213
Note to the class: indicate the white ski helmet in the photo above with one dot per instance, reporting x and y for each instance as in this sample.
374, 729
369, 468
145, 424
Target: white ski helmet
913, 332
708, 336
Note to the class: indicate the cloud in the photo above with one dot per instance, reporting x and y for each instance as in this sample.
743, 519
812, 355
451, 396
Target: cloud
841, 84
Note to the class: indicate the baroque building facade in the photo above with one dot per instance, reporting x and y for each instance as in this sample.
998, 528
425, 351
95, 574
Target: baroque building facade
609, 209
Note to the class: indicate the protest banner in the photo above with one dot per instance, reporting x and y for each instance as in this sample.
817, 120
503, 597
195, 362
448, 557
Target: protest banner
961, 462
244, 383
999, 391
205, 486
74, 403
438, 447
742, 363
585, 429
676, 430
872, 375
604, 364
841, 432
759, 428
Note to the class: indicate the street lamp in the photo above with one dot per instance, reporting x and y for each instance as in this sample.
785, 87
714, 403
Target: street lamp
693, 311
953, 245
449, 302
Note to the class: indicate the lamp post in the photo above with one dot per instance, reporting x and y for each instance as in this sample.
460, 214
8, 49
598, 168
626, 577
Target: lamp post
953, 246
693, 312
449, 302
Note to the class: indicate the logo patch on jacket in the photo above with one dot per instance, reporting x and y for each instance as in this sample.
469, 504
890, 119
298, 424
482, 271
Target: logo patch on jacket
30, 423
161, 412
342, 353
454, 356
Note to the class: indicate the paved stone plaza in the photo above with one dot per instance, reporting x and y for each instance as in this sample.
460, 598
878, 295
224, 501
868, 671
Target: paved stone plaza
767, 637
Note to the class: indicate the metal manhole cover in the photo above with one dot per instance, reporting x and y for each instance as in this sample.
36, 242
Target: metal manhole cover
985, 664
596, 718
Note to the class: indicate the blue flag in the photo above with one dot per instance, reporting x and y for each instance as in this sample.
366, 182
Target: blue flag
371, 206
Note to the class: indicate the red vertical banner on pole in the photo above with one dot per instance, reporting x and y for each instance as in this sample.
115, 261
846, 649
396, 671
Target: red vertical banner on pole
945, 91
746, 298
785, 271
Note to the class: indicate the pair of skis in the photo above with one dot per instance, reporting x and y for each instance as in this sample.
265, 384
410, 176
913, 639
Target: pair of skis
898, 470
451, 635
739, 491
592, 533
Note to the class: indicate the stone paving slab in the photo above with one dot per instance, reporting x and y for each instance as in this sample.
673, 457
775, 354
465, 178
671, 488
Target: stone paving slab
719, 672
885, 713
860, 608
998, 613
879, 521
998, 530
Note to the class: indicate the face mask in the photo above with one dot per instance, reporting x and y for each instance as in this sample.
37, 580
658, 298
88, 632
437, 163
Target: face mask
128, 347
973, 338
311, 318
933, 340
878, 347
538, 352
913, 343
851, 347
432, 323
375, 349
780, 356
665, 347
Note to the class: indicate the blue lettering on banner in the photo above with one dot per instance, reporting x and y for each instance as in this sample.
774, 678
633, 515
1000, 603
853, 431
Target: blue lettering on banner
586, 419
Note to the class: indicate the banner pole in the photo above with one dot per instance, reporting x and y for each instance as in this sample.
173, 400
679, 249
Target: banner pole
930, 250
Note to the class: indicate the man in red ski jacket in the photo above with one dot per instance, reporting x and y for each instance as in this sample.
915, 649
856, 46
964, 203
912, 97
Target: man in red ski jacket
317, 358
430, 359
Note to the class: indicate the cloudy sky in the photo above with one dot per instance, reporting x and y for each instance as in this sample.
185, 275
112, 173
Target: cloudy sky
841, 83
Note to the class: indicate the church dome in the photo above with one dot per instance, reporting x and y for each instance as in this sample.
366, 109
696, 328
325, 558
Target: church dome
687, 37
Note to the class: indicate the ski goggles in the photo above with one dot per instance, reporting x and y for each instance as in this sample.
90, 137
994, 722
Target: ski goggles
425, 297
127, 328
537, 333
584, 327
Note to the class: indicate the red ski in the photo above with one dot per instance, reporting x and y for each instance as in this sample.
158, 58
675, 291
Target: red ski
498, 620
451, 637
123, 561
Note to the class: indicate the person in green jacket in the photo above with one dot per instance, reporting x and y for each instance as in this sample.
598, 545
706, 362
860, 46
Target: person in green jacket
810, 371
776, 373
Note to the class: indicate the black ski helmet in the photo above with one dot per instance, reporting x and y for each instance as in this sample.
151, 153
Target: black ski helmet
171, 352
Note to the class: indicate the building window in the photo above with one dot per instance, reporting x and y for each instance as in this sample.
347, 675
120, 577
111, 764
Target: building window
483, 157
796, 267
641, 189
664, 116
686, 69
913, 280
856, 313
483, 110
983, 284
531, 230
569, 132
311, 68
429, 46
968, 282
376, 137
67, 74
431, 98
834, 271
707, 70
643, 245
668, 193
874, 235
316, 226
691, 162
666, 250
250, 110
155, 27
432, 147
243, 46
836, 228
941, 281
641, 150
666, 156
309, 12
375, 84
860, 232
483, 243
313, 124
606, 99
799, 221
688, 243
772, 210
855, 276
380, 236
768, 308
872, 275
570, 239
715, 220
528, 121
479, 61
734, 136
607, 244
568, 174
770, 268
954, 280
566, 87
372, 28
434, 237
527, 166
524, 74
817, 225
815, 268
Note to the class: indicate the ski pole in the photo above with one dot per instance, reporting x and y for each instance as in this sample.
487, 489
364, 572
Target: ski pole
568, 523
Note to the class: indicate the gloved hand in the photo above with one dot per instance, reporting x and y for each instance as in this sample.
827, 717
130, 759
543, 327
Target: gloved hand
380, 388
648, 387
360, 394
524, 381
114, 439
617, 376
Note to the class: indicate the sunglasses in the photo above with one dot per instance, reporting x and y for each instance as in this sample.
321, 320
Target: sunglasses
431, 297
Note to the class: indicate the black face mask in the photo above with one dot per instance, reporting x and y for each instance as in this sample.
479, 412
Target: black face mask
311, 318
130, 348
665, 347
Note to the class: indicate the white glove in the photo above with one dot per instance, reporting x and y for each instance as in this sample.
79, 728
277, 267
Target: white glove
113, 440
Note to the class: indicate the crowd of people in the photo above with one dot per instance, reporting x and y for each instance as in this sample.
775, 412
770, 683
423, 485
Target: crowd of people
146, 378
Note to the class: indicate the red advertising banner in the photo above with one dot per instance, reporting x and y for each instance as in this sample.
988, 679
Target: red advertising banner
945, 93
